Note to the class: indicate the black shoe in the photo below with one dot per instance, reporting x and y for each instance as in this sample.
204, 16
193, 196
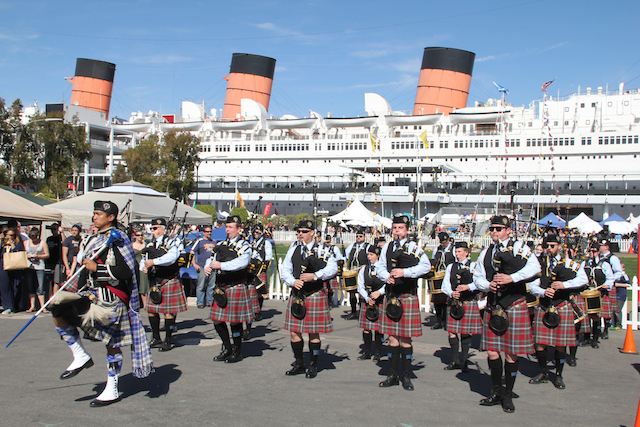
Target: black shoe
200, 306
224, 355
571, 361
605, 334
296, 370
406, 382
236, 356
539, 379
246, 335
507, 403
352, 316
464, 368
376, 357
95, 403
494, 399
72, 373
559, 383
166, 346
312, 372
365, 356
438, 325
257, 317
452, 366
585, 343
390, 381
594, 344
155, 343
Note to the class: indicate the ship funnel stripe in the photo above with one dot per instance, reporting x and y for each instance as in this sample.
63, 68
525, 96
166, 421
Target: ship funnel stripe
100, 70
444, 58
256, 65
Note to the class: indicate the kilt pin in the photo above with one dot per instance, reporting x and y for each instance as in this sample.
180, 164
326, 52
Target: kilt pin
562, 335
238, 309
517, 339
471, 322
409, 325
173, 299
317, 319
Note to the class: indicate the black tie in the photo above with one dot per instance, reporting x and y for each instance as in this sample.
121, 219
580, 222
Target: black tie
305, 251
554, 262
396, 244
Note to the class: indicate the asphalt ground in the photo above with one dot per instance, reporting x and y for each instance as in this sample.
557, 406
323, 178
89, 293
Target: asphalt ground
189, 389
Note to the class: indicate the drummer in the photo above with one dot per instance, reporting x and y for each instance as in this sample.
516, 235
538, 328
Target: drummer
371, 290
355, 257
442, 257
458, 285
332, 284
600, 276
558, 277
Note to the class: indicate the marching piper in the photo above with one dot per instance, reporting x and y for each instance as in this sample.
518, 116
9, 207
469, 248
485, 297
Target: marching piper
600, 277
107, 293
371, 290
356, 257
442, 258
264, 248
554, 322
400, 265
464, 316
306, 266
609, 299
231, 303
506, 284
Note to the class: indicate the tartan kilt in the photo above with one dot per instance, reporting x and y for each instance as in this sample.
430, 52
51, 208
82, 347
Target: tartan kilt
173, 299
585, 324
253, 298
409, 325
118, 332
471, 322
238, 307
562, 335
517, 339
317, 319
440, 298
608, 305
334, 284
363, 323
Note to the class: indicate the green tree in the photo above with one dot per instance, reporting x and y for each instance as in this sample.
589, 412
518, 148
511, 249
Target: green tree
142, 163
18, 147
179, 155
241, 212
208, 209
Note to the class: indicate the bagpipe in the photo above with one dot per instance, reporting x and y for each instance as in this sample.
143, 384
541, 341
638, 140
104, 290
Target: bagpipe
84, 306
551, 317
225, 252
314, 262
400, 258
464, 276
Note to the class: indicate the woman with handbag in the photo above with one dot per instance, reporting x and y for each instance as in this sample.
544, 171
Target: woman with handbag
12, 243
37, 252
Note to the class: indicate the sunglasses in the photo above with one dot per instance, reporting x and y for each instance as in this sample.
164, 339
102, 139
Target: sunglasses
154, 228
138, 235
303, 231
498, 228
207, 231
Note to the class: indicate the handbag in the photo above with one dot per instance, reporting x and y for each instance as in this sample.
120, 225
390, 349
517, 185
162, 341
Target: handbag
15, 260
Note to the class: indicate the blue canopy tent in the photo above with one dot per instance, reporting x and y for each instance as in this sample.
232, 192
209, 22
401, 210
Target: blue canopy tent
613, 218
554, 219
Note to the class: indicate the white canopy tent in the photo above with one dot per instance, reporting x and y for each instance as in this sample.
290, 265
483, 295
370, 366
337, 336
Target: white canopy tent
584, 224
357, 214
621, 227
145, 205
14, 206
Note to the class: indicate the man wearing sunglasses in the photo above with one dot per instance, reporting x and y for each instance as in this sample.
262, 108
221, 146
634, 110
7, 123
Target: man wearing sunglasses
559, 281
510, 294
310, 255
162, 268
609, 302
356, 254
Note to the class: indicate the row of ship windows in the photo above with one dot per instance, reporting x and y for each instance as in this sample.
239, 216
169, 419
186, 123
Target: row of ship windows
543, 142
610, 140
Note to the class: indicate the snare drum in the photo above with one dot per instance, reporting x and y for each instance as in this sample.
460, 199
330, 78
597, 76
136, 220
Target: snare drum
348, 280
593, 299
435, 282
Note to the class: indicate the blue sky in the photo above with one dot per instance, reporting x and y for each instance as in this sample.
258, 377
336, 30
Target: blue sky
329, 53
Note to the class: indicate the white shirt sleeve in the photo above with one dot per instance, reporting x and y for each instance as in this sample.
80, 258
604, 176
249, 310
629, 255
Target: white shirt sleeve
447, 289
286, 272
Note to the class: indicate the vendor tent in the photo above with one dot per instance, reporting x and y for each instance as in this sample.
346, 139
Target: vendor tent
618, 225
15, 206
360, 215
612, 218
584, 224
146, 204
553, 220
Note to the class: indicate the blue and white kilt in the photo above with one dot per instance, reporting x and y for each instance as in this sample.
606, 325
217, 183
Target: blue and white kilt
118, 332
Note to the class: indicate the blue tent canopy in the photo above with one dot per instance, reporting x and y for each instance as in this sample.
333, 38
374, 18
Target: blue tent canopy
613, 218
555, 220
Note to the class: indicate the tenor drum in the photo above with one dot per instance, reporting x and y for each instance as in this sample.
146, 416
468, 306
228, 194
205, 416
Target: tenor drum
348, 280
435, 282
593, 299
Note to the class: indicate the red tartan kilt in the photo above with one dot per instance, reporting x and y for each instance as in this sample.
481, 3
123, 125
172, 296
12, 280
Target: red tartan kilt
317, 319
609, 304
562, 335
364, 323
585, 324
409, 325
439, 298
173, 299
334, 284
264, 289
471, 322
517, 339
238, 307
253, 297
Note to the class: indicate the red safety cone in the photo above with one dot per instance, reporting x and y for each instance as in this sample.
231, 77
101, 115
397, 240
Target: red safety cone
629, 346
